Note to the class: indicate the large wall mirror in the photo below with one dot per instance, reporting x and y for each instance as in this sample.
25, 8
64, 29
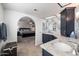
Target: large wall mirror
51, 25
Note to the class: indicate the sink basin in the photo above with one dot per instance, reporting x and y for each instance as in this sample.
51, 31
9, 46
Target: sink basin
60, 46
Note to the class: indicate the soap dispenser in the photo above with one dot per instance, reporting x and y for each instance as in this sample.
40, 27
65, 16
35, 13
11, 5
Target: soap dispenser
73, 35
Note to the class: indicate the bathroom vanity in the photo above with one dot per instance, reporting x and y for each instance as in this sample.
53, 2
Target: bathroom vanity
46, 38
64, 46
58, 42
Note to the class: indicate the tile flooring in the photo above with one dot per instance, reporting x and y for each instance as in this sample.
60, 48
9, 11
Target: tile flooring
26, 47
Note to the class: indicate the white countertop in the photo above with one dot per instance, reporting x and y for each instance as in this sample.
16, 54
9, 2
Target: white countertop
49, 45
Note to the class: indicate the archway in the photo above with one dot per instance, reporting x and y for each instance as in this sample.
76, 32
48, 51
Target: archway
26, 37
26, 27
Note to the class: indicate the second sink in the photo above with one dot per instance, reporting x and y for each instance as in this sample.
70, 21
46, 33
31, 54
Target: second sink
63, 47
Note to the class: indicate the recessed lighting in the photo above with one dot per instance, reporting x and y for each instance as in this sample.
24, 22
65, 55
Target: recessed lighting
35, 9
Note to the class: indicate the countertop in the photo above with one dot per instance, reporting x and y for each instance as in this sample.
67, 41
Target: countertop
51, 49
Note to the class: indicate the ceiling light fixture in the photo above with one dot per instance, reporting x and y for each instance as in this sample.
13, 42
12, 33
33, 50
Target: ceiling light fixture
35, 9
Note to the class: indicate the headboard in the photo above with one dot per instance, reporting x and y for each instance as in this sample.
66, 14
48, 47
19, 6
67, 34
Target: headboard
28, 29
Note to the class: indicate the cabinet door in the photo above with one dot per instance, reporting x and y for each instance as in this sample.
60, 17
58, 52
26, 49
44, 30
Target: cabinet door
67, 21
45, 53
63, 24
70, 21
47, 37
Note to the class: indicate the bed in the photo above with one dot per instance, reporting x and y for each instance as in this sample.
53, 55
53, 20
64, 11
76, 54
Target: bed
25, 32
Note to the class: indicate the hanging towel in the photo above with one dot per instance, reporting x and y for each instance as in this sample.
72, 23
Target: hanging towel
0, 33
3, 31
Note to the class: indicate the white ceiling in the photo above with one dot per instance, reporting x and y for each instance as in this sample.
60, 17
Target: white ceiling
43, 9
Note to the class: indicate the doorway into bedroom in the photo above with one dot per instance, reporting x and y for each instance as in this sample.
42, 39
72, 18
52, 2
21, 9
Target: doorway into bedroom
26, 38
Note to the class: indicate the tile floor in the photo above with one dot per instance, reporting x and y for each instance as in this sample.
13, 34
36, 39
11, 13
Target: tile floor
26, 47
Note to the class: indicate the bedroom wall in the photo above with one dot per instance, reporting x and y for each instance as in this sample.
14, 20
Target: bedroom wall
12, 18
25, 22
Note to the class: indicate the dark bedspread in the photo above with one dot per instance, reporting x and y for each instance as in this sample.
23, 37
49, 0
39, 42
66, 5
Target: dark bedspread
26, 34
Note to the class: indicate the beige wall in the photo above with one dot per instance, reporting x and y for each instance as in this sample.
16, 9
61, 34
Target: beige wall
12, 18
1, 12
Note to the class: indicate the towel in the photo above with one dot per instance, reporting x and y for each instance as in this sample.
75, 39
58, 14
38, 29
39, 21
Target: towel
3, 31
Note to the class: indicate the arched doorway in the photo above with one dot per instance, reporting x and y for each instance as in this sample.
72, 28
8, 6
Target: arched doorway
26, 38
26, 28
